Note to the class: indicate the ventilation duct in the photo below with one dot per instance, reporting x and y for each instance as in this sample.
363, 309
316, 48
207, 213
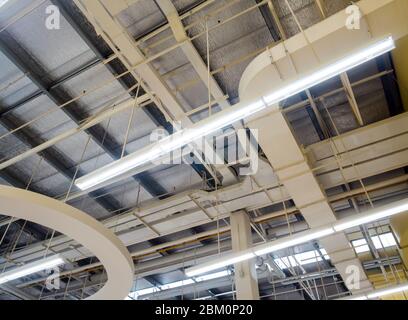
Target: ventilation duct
304, 54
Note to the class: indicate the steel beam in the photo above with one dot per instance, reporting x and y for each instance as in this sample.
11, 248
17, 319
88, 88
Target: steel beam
135, 61
270, 21
390, 84
55, 84
116, 67
108, 143
103, 51
351, 98
202, 68
54, 158
295, 173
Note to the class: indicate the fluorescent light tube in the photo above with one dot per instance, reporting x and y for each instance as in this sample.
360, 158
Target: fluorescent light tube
228, 116
3, 2
379, 293
160, 148
259, 250
301, 237
387, 291
372, 215
31, 268
357, 298
225, 261
332, 70
294, 240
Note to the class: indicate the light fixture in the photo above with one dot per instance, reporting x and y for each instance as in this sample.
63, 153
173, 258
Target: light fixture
301, 237
373, 215
162, 147
259, 250
296, 239
332, 70
3, 2
30, 268
225, 261
379, 293
228, 116
357, 298
178, 284
388, 291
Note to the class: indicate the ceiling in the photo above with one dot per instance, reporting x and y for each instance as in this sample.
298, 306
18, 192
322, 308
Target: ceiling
53, 80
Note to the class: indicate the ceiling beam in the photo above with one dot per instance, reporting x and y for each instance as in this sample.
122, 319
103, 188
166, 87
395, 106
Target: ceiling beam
101, 49
16, 292
52, 156
24, 62
125, 48
390, 84
57, 83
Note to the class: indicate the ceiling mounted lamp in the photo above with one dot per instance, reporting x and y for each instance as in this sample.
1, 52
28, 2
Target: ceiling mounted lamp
379, 293
3, 2
230, 115
31, 268
301, 237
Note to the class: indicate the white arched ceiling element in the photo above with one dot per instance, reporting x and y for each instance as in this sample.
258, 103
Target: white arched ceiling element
82, 228
322, 44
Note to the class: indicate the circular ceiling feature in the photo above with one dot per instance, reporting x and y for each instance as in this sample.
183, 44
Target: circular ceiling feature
80, 227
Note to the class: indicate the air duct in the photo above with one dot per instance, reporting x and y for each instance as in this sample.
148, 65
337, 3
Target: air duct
399, 225
293, 59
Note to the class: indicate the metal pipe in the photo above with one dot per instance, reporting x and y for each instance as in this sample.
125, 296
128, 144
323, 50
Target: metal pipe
92, 121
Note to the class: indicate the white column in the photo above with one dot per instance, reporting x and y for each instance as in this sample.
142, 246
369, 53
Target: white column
246, 282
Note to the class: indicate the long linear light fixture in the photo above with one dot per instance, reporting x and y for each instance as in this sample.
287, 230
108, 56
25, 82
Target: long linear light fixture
301, 237
228, 116
379, 293
30, 268
3, 2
